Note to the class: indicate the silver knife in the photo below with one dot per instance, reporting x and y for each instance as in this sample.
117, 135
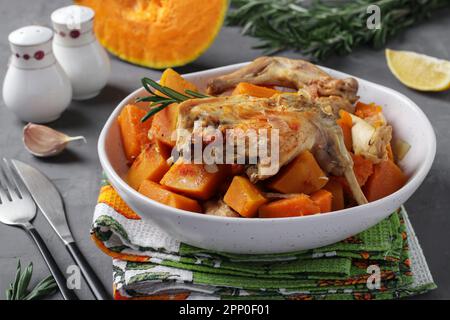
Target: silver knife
51, 205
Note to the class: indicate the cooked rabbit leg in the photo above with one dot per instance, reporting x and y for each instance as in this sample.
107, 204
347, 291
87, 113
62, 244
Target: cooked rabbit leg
279, 71
301, 125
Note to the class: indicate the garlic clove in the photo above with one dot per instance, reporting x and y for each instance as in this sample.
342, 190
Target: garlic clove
43, 141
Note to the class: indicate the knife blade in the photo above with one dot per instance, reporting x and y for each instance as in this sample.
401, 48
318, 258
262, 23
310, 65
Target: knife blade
46, 197
50, 203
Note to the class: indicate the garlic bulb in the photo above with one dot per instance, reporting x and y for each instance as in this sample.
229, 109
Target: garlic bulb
42, 141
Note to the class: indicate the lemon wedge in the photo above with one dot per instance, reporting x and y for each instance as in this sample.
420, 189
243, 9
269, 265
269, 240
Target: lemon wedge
419, 71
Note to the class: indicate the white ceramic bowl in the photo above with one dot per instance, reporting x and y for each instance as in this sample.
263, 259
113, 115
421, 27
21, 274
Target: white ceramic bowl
253, 236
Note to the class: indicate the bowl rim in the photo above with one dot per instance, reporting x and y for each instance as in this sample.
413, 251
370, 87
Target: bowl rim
412, 184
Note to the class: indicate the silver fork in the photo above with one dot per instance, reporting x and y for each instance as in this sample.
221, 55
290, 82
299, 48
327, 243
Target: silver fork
18, 209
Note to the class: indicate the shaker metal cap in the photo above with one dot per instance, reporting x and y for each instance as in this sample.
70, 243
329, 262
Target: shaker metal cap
30, 36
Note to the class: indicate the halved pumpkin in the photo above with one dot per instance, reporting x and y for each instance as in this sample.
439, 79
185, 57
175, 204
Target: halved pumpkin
158, 33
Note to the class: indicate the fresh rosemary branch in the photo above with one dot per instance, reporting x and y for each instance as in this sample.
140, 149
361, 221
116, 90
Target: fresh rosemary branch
163, 97
323, 28
18, 290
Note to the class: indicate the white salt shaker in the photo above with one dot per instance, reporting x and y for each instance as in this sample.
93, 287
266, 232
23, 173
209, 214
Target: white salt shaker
78, 51
35, 88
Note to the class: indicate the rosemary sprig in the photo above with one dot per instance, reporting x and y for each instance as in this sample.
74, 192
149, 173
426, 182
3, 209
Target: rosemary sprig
18, 290
323, 28
163, 97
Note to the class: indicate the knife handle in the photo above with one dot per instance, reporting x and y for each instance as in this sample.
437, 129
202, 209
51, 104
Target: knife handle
60, 279
88, 273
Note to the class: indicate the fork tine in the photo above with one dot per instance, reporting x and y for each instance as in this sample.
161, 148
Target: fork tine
3, 196
21, 187
3, 188
9, 181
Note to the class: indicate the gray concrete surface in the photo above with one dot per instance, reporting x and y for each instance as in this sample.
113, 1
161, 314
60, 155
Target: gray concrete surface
77, 172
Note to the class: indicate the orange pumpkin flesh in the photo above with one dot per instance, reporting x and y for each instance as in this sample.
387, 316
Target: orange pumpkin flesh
157, 34
297, 206
192, 180
337, 194
151, 164
387, 178
244, 197
165, 122
134, 132
301, 175
323, 199
254, 90
158, 193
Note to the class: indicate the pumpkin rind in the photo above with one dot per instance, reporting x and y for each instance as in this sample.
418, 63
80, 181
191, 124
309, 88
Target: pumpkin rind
158, 33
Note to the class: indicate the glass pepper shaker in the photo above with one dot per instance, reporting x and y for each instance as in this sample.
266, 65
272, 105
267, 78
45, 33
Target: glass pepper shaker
35, 88
76, 48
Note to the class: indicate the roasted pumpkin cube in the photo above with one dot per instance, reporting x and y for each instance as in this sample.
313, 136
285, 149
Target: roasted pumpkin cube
151, 164
244, 197
165, 121
164, 125
345, 122
172, 79
302, 175
362, 167
158, 193
296, 206
134, 133
387, 178
364, 110
254, 90
324, 199
193, 180
337, 191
